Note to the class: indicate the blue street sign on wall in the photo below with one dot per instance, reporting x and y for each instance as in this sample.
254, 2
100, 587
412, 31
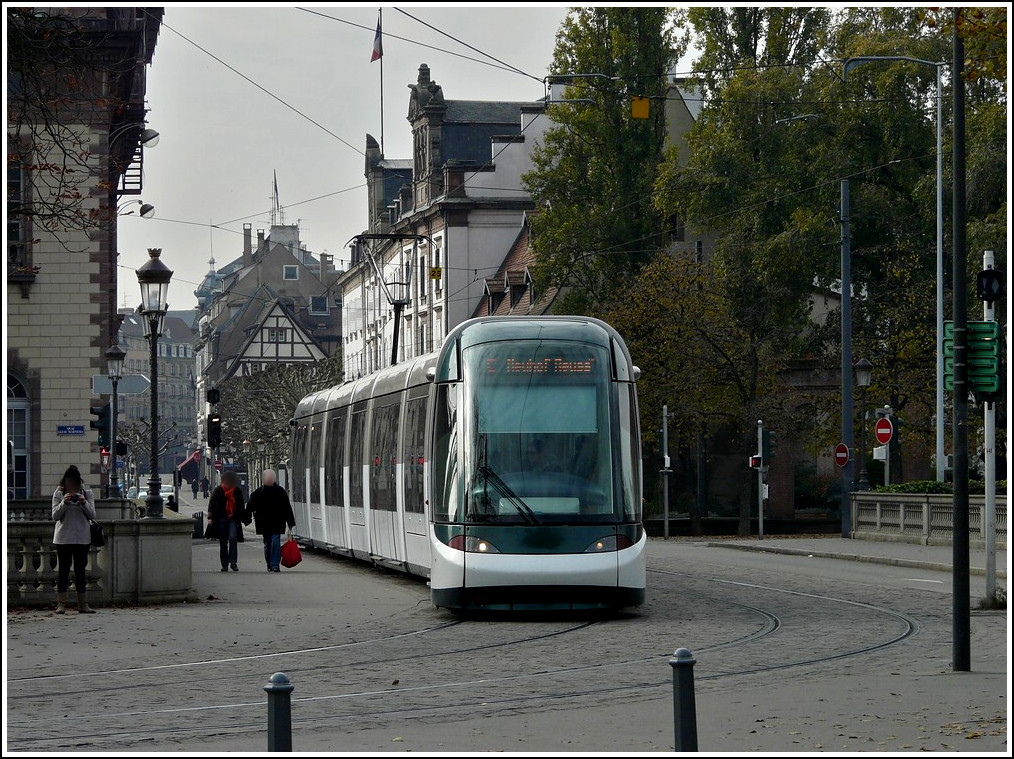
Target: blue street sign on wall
70, 429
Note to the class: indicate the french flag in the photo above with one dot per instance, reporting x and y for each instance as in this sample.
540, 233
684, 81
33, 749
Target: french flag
378, 45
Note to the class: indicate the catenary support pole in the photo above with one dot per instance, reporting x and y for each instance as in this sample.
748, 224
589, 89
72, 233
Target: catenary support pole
961, 643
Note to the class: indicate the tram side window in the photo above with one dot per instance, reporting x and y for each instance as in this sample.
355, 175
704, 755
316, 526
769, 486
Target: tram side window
630, 481
298, 462
384, 458
446, 469
356, 458
335, 460
313, 459
415, 440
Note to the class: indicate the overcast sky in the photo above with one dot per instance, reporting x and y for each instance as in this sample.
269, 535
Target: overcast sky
222, 137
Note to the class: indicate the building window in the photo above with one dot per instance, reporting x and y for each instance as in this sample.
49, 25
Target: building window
318, 305
18, 452
15, 223
279, 335
290, 272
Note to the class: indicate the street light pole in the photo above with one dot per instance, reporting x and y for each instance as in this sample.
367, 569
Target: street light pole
153, 278
114, 361
938, 65
847, 408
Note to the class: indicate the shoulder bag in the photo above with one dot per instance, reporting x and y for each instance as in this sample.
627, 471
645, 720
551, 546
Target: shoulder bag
98, 538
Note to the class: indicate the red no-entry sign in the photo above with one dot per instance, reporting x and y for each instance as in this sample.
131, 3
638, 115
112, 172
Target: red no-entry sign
218, 465
884, 430
841, 454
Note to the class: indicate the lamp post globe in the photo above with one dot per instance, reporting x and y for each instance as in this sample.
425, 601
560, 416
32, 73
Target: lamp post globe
864, 375
154, 277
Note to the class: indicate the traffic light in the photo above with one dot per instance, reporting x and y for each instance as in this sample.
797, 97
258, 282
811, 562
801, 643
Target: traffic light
769, 442
983, 358
102, 423
756, 461
214, 396
214, 430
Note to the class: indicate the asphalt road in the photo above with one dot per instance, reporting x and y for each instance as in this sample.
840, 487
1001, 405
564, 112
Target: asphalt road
792, 654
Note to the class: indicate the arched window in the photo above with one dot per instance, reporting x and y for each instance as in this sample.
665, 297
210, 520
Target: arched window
18, 427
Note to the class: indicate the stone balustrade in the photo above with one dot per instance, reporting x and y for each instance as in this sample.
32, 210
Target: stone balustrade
922, 518
143, 560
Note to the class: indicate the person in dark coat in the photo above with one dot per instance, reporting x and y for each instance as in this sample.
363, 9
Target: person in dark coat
227, 511
194, 486
271, 510
204, 486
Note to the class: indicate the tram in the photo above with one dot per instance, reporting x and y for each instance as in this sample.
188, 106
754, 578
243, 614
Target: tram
505, 467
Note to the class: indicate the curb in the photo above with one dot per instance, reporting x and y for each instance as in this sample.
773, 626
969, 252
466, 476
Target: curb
912, 563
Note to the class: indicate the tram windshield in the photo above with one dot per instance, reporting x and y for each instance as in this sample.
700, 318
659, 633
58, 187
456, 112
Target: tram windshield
539, 447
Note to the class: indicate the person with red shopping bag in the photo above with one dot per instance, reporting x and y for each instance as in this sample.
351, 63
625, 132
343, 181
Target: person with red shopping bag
272, 511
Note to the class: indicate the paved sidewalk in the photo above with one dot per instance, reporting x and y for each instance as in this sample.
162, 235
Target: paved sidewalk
896, 553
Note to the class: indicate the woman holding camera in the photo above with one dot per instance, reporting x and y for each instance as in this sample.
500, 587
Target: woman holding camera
73, 507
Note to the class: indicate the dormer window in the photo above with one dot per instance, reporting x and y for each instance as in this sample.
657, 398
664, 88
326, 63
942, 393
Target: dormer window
318, 305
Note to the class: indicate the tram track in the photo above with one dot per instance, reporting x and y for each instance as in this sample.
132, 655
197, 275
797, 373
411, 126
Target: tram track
418, 701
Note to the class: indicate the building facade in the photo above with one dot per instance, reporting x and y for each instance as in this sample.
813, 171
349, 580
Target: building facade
275, 304
177, 390
439, 224
61, 225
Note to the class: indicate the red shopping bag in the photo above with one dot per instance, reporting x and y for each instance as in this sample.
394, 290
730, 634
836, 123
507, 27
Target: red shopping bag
290, 553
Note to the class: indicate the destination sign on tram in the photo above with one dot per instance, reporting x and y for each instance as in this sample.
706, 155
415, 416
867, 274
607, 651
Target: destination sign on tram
543, 366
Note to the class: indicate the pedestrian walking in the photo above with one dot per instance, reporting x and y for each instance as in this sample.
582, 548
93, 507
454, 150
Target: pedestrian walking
194, 486
226, 510
272, 511
73, 507
204, 486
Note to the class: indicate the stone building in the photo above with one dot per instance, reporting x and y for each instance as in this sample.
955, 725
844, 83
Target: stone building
177, 390
61, 225
438, 223
275, 304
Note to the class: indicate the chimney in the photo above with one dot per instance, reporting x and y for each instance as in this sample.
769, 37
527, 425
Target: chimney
247, 249
260, 241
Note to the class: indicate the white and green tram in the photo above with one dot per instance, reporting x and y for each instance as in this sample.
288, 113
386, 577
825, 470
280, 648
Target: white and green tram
505, 467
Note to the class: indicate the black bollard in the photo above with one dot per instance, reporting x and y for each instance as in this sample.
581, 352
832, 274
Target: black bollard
684, 705
279, 689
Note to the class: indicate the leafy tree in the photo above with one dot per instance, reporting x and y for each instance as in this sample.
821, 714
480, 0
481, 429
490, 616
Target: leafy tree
696, 356
594, 171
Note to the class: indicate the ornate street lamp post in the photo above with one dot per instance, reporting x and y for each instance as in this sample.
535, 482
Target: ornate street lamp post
154, 279
864, 373
114, 364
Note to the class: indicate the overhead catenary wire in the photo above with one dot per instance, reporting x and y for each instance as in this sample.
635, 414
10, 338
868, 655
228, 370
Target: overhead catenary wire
470, 47
260, 87
387, 34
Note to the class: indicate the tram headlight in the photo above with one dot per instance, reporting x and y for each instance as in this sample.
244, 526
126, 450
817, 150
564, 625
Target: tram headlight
472, 544
609, 543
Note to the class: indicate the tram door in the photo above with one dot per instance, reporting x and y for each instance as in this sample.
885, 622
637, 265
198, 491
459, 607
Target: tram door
359, 539
385, 532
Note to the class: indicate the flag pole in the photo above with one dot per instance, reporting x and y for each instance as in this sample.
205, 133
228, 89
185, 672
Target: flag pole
380, 19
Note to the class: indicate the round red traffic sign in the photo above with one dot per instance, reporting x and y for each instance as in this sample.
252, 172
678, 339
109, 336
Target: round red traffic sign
218, 465
884, 430
841, 454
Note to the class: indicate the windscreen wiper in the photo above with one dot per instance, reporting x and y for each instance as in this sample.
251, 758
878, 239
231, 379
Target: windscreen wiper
504, 489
